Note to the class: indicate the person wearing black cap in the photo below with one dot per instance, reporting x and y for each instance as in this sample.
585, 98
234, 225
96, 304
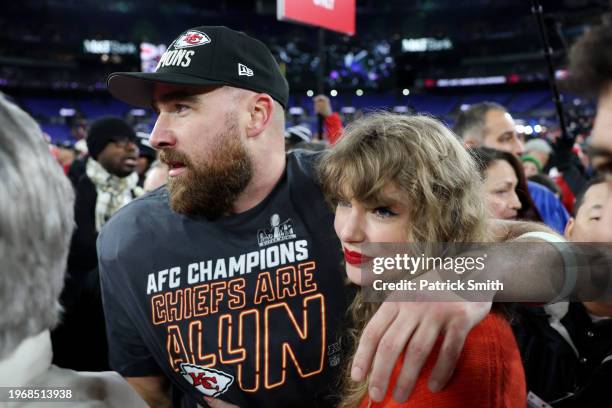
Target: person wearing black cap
103, 183
226, 281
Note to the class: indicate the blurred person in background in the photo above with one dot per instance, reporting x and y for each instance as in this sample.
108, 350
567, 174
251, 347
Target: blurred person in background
566, 346
36, 220
65, 154
81, 149
156, 177
590, 73
566, 161
103, 182
549, 183
533, 171
300, 137
490, 125
576, 336
332, 124
505, 185
146, 157
540, 149
531, 165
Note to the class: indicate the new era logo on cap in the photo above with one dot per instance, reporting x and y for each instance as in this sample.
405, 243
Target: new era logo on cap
243, 70
191, 38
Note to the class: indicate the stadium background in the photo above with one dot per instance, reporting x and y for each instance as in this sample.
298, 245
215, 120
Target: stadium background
429, 56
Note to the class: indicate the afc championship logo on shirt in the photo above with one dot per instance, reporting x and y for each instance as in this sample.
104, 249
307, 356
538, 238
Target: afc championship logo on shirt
258, 314
277, 232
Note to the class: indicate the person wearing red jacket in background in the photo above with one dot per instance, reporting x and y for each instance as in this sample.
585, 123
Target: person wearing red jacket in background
332, 124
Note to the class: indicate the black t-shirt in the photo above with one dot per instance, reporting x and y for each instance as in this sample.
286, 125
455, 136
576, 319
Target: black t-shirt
249, 308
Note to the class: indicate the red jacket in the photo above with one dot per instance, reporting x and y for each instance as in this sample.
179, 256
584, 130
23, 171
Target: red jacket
333, 128
489, 373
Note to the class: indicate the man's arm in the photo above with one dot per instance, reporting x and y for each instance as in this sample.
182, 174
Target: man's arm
154, 390
503, 230
127, 350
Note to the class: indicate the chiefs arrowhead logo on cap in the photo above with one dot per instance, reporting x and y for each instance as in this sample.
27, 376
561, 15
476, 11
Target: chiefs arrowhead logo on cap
191, 38
208, 381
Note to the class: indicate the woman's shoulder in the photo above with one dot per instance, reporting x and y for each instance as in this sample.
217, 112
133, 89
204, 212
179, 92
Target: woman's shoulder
489, 373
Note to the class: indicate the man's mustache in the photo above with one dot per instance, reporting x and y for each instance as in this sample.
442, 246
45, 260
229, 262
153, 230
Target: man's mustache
174, 156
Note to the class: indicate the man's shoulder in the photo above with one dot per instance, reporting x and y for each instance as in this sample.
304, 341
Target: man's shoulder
304, 162
139, 217
150, 204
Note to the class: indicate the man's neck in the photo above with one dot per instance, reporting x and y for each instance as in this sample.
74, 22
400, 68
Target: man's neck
266, 175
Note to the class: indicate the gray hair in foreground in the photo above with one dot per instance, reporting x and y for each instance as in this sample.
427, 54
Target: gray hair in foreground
36, 224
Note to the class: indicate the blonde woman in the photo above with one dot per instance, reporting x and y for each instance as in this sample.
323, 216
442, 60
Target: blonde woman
402, 179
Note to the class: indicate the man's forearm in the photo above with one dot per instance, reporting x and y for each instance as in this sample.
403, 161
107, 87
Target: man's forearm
503, 231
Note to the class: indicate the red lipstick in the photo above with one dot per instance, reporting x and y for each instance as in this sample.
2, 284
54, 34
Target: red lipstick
355, 258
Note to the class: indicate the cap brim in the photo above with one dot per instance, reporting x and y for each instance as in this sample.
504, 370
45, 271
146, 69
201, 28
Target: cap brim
136, 88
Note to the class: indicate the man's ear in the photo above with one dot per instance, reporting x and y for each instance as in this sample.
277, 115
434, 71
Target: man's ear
261, 110
569, 228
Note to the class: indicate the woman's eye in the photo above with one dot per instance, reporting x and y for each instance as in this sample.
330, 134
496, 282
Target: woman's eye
384, 212
501, 192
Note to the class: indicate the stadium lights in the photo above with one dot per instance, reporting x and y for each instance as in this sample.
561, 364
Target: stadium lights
67, 112
406, 92
309, 93
138, 112
528, 130
333, 92
359, 92
537, 128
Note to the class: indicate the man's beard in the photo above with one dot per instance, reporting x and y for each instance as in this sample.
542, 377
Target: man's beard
210, 188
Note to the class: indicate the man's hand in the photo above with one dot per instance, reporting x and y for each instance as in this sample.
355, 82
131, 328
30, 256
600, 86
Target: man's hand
414, 327
322, 105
